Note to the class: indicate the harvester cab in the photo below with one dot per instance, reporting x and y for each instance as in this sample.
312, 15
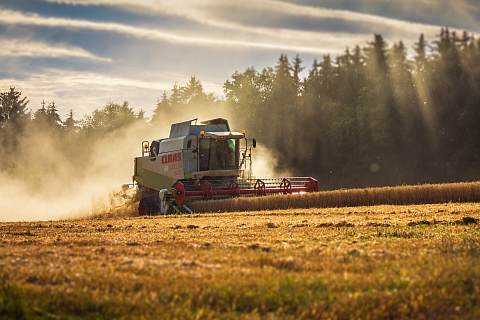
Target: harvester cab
203, 160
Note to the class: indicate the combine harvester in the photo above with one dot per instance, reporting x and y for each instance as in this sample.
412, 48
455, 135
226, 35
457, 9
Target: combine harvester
200, 162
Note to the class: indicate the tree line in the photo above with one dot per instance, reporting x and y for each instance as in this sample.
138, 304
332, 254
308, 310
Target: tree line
371, 116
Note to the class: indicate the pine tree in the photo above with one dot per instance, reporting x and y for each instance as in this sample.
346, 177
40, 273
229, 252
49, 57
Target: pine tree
281, 109
40, 116
162, 108
141, 115
193, 93
176, 99
376, 57
53, 118
13, 110
297, 68
70, 124
14, 118
420, 48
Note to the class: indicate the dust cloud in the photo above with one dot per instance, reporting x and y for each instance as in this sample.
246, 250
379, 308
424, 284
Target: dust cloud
70, 181
54, 179
264, 163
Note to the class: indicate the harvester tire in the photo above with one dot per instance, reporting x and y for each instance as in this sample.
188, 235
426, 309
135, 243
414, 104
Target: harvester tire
147, 207
155, 209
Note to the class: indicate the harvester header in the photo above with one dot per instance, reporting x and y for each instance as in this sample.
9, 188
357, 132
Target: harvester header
202, 161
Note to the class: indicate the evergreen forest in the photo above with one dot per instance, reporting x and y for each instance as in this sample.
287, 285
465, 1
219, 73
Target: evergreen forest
378, 115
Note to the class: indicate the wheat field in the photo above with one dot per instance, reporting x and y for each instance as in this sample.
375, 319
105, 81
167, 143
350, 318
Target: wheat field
400, 195
364, 262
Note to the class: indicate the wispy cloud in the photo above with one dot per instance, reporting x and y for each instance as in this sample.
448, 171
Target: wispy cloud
235, 15
85, 91
232, 24
35, 49
11, 17
460, 14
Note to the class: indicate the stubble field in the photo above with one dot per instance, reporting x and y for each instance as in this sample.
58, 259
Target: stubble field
377, 262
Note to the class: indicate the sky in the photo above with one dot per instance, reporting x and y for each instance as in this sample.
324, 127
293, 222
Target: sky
83, 54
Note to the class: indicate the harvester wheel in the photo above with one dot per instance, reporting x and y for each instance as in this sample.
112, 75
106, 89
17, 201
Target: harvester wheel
154, 209
145, 207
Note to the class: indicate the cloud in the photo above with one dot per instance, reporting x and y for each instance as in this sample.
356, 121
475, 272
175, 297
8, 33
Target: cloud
326, 27
10, 17
273, 25
237, 15
85, 91
253, 25
35, 49
460, 14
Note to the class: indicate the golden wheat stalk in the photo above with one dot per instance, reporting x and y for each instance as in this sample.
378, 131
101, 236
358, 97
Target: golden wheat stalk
401, 195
